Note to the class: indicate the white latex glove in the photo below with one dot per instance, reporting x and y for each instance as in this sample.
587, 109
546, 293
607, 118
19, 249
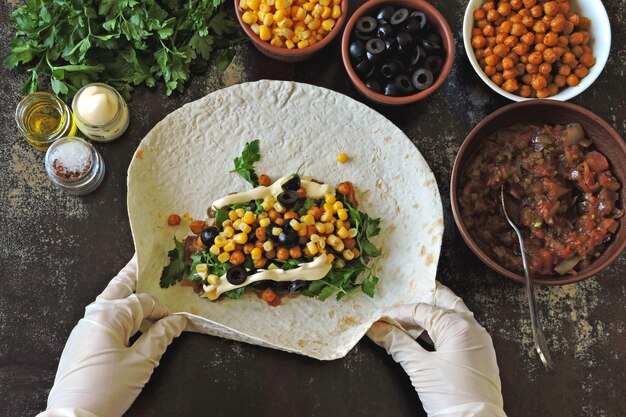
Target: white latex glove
99, 374
459, 379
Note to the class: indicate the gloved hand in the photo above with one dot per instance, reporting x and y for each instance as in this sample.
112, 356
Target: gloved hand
460, 378
99, 374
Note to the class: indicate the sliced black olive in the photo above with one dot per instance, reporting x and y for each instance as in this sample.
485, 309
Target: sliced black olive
357, 50
252, 205
298, 286
375, 48
385, 31
366, 24
413, 27
385, 13
430, 46
391, 45
373, 85
399, 17
287, 198
422, 79
281, 287
292, 184
434, 63
392, 89
288, 238
208, 235
261, 285
434, 38
405, 40
404, 83
420, 17
364, 36
364, 68
391, 68
418, 55
236, 275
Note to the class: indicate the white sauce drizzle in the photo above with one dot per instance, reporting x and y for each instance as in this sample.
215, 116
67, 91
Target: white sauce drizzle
310, 271
313, 190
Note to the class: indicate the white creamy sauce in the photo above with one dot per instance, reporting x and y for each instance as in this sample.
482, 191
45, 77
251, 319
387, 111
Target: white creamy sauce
313, 190
310, 271
97, 105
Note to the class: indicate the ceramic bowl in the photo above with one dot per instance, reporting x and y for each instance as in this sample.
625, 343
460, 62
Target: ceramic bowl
291, 55
605, 139
600, 43
436, 20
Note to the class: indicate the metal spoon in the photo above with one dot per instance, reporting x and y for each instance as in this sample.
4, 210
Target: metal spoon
535, 321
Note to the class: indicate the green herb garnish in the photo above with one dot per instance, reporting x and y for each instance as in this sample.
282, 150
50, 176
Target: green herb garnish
244, 164
123, 43
175, 270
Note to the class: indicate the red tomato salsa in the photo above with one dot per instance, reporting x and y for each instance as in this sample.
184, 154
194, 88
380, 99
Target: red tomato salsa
559, 191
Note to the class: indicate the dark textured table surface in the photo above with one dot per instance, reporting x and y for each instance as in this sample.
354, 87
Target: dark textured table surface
57, 252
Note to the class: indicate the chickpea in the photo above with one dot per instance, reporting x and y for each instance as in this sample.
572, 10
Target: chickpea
520, 49
584, 23
587, 60
516, 4
563, 41
568, 28
310, 230
505, 27
564, 7
273, 215
538, 82
510, 85
586, 38
539, 27
581, 71
576, 38
545, 68
492, 60
479, 14
560, 80
547, 20
568, 58
258, 244
577, 51
524, 91
270, 254
260, 234
488, 5
476, 32
504, 9
586, 49
565, 70
344, 188
510, 41
540, 46
501, 50
535, 58
481, 23
247, 248
536, 11
316, 212
500, 37
557, 24
499, 67
509, 74
551, 8
551, 39
558, 51
529, 3
526, 79
479, 54
491, 41
492, 15
507, 63
572, 80
301, 192
520, 68
259, 263
295, 252
516, 18
574, 19
489, 30
282, 254
528, 38
542, 93
518, 29
528, 21
549, 55
532, 69
237, 257
489, 70
497, 79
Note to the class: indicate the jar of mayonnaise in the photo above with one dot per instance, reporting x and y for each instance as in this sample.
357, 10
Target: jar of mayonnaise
100, 111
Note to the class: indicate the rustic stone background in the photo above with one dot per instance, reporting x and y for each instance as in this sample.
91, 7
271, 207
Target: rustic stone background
57, 252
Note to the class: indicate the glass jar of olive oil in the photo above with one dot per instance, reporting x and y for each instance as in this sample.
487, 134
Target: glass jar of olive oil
42, 118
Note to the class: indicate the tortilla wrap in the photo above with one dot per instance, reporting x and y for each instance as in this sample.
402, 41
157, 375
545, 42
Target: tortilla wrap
182, 166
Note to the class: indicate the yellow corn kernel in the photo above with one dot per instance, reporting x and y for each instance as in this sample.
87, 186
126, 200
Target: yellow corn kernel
228, 232
243, 4
255, 28
332, 240
256, 254
307, 219
237, 224
329, 198
300, 14
264, 33
317, 10
240, 212
279, 208
315, 238
342, 214
276, 41
320, 227
336, 13
232, 215
265, 222
328, 24
329, 228
348, 255
306, 35
267, 206
302, 232
249, 17
245, 228
284, 32
337, 205
268, 245
241, 238
343, 233
337, 2
321, 244
223, 257
282, 4
276, 231
249, 217
220, 241
315, 23
325, 2
272, 266
262, 215
314, 1
202, 268
328, 207
230, 246
279, 15
213, 279
327, 216
295, 39
298, 30
264, 8
214, 249
261, 15
352, 232
268, 19
293, 11
326, 12
295, 225
270, 2
254, 4
339, 246
285, 23
308, 6
338, 224
312, 247
308, 19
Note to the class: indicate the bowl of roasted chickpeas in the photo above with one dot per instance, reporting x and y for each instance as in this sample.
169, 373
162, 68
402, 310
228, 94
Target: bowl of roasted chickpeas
527, 49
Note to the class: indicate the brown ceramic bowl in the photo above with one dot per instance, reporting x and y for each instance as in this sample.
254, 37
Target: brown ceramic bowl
291, 55
606, 140
436, 20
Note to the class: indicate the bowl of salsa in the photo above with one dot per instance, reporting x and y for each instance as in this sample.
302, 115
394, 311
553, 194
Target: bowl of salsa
563, 170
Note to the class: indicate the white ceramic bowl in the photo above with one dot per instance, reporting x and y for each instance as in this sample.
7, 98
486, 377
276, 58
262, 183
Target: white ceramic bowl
600, 43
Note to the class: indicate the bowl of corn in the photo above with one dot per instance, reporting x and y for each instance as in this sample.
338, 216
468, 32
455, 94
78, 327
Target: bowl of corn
291, 30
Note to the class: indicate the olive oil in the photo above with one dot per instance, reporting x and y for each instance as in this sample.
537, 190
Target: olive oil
43, 118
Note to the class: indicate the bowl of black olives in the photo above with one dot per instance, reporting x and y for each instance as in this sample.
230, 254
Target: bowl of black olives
397, 51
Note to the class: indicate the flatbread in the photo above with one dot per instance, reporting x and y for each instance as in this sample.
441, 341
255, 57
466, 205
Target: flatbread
182, 166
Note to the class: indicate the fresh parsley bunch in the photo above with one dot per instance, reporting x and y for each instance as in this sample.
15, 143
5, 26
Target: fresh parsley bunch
124, 43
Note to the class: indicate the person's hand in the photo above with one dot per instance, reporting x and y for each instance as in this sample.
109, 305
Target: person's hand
99, 374
460, 378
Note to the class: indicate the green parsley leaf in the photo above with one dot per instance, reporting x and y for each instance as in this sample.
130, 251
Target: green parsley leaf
221, 215
236, 293
174, 271
244, 164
